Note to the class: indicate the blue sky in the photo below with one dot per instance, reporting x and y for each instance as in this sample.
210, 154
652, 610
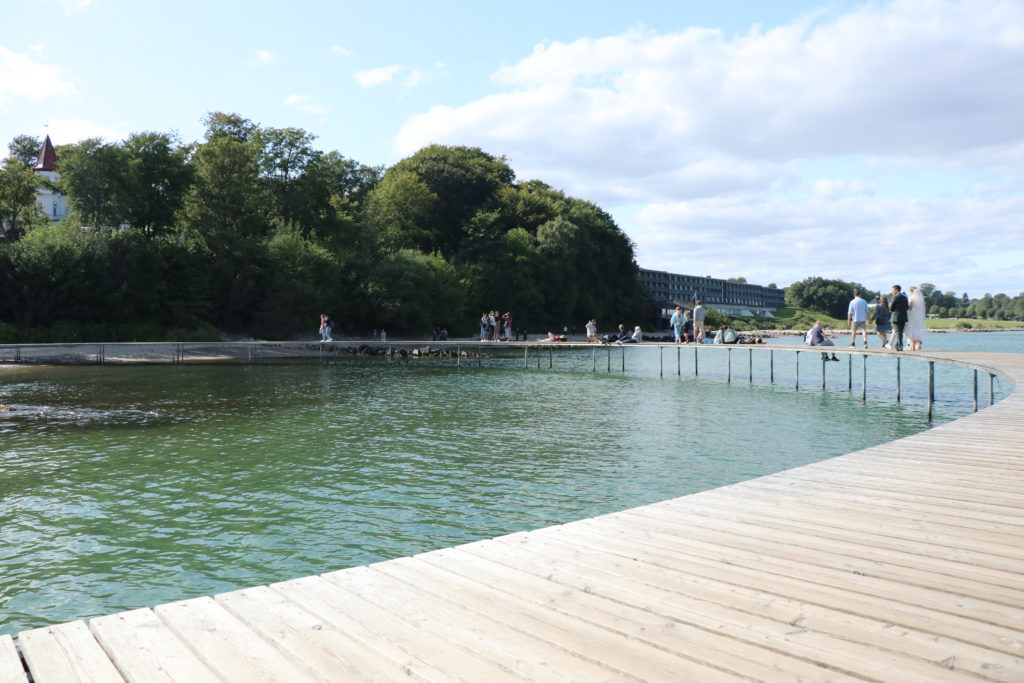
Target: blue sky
875, 142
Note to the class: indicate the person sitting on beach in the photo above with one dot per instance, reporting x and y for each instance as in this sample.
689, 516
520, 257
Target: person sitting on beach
816, 336
729, 335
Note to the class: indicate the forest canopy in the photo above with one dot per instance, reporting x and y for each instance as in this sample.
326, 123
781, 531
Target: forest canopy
255, 231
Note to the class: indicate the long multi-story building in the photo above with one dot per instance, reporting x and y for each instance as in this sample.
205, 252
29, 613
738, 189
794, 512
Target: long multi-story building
669, 290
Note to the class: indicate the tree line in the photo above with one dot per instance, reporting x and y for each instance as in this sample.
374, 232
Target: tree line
254, 231
833, 297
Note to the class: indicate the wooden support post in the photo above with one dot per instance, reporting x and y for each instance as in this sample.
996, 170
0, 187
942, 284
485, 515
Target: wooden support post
679, 362
593, 355
695, 373
898, 379
975, 407
771, 366
931, 388
526, 357
458, 355
824, 360
864, 380
609, 359
551, 358
849, 372
623, 358
751, 365
661, 361
728, 355
991, 390
798, 371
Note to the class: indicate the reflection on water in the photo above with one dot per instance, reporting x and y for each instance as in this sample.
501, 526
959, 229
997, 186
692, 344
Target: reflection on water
122, 487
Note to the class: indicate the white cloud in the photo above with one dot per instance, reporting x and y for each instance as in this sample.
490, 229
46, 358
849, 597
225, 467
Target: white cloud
873, 241
263, 58
414, 78
716, 125
305, 104
339, 50
23, 77
372, 77
77, 6
833, 189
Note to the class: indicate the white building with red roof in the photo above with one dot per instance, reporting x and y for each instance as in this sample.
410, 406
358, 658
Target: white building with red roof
55, 205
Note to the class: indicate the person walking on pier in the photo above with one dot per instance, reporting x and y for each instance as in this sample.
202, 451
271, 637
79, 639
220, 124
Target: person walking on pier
898, 307
698, 322
916, 319
676, 321
883, 324
857, 317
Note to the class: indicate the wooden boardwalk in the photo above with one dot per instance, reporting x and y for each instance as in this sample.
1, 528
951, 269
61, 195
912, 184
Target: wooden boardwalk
902, 562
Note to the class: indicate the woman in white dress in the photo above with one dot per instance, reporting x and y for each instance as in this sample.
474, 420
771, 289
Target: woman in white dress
915, 319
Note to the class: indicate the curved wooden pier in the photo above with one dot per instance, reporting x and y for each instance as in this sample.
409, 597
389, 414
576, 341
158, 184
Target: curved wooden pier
901, 562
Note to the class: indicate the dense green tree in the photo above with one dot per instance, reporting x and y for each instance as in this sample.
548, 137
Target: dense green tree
157, 177
25, 148
96, 178
18, 207
828, 296
465, 180
231, 126
224, 205
399, 210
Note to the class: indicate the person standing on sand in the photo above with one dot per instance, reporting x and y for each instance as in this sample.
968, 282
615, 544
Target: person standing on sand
898, 307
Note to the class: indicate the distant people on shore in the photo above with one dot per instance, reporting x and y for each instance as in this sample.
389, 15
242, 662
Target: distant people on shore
857, 318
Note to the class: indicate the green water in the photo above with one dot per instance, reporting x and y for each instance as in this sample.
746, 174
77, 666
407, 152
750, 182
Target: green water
123, 487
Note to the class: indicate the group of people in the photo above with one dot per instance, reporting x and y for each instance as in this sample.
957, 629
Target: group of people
688, 327
495, 327
899, 321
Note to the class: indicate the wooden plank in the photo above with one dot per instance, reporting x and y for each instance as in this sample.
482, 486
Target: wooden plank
531, 611
225, 644
780, 641
806, 589
11, 670
329, 653
66, 653
722, 581
144, 649
415, 649
525, 655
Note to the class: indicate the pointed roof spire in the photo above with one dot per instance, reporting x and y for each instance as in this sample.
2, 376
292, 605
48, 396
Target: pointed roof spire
47, 157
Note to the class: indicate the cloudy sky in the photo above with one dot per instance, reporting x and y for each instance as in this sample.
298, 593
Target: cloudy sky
876, 142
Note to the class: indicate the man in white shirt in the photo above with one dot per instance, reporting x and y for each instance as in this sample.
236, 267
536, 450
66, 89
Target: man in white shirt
698, 323
857, 316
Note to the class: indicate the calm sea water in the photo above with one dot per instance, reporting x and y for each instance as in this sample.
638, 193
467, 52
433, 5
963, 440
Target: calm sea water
123, 487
